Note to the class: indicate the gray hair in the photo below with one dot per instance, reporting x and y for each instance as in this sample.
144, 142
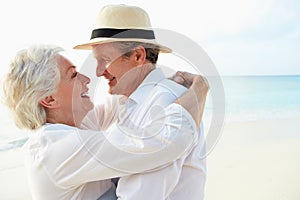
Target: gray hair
33, 75
152, 51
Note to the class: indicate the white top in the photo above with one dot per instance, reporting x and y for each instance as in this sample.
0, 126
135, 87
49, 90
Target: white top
65, 162
183, 179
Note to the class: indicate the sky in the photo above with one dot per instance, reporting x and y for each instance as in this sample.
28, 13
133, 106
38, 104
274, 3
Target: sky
242, 37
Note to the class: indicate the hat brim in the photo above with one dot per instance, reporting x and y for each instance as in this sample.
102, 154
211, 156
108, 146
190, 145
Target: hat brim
89, 45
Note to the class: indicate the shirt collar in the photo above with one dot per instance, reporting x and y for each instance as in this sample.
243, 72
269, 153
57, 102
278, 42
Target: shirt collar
154, 77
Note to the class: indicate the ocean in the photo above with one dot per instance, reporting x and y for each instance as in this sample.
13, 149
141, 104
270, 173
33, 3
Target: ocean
261, 97
247, 98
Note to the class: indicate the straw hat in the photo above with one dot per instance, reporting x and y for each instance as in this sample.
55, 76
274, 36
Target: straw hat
122, 23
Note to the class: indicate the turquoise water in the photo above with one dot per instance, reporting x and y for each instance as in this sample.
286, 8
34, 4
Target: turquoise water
261, 97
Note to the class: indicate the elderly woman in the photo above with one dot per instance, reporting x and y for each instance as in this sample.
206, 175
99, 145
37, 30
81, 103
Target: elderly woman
45, 93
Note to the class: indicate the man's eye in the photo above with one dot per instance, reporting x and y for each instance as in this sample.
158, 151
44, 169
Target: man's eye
105, 61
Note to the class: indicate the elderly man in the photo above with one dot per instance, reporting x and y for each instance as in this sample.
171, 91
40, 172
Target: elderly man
124, 46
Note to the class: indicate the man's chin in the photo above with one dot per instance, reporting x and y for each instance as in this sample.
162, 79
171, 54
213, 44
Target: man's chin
113, 90
110, 91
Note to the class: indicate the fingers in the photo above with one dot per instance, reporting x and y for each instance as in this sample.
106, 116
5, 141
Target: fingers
178, 79
188, 79
187, 76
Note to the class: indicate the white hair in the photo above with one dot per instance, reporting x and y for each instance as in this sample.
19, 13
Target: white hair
33, 75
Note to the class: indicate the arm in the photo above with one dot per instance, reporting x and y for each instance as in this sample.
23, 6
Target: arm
196, 95
99, 159
92, 157
134, 139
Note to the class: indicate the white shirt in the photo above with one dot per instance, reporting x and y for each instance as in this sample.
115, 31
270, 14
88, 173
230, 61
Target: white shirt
184, 178
65, 162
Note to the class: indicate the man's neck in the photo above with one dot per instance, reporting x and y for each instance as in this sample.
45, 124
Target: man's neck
140, 73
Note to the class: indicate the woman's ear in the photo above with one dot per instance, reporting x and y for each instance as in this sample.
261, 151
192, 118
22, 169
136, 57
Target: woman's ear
49, 102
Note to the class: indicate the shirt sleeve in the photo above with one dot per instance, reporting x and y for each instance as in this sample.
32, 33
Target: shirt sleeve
89, 156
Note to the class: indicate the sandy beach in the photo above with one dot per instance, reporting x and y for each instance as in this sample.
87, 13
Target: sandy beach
252, 160
256, 160
12, 176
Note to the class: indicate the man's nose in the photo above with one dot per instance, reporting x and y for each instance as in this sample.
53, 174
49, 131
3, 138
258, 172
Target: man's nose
100, 70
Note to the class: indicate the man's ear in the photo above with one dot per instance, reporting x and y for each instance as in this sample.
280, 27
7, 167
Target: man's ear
139, 55
49, 102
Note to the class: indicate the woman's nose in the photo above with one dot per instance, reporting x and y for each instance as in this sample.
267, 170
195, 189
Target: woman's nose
83, 78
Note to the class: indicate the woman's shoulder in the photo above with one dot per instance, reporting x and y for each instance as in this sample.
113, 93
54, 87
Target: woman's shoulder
55, 127
50, 134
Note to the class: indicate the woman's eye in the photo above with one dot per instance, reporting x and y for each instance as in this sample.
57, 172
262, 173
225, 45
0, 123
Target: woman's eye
74, 74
